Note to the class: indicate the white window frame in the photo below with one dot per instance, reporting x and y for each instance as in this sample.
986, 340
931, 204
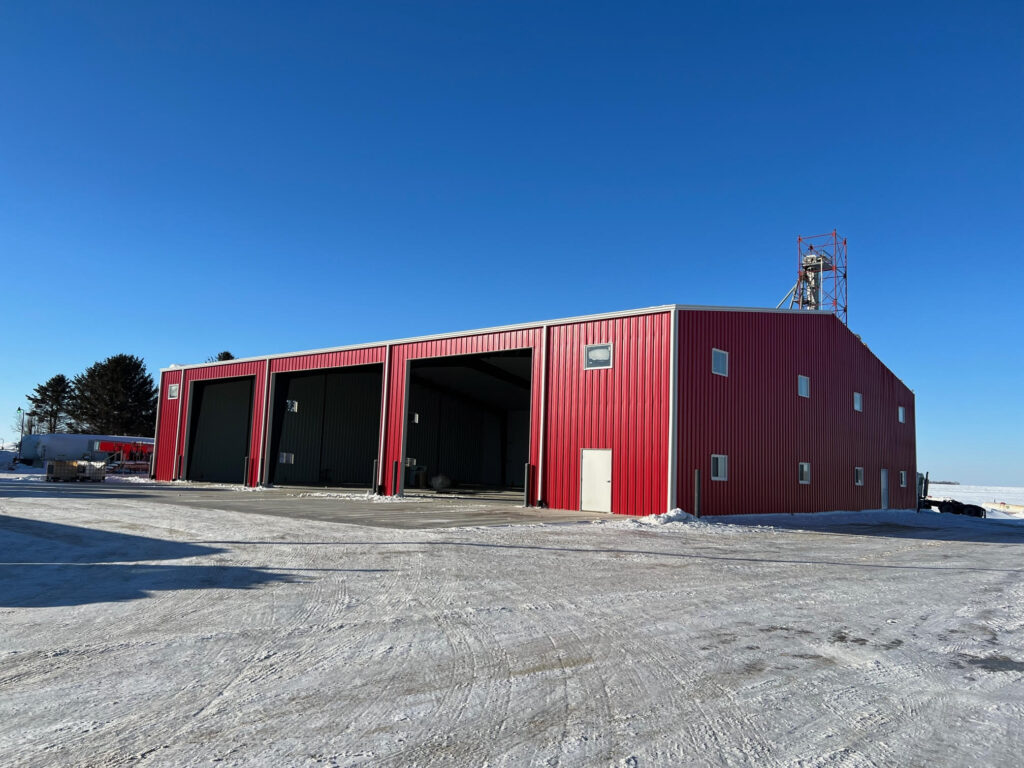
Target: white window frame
903, 478
723, 464
858, 402
611, 356
725, 358
801, 389
858, 475
901, 414
172, 391
799, 472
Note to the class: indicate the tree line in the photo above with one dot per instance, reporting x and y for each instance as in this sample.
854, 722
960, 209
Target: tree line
115, 396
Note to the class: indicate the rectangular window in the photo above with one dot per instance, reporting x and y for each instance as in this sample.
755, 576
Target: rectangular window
803, 386
903, 478
172, 391
804, 472
858, 475
291, 406
597, 356
719, 362
286, 458
902, 413
858, 401
719, 467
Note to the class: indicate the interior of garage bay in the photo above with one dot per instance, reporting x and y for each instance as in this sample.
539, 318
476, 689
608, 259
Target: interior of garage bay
467, 424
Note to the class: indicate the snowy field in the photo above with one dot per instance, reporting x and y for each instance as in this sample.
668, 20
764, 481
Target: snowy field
136, 632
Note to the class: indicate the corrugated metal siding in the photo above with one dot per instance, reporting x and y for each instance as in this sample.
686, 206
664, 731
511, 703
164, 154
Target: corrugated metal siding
755, 417
167, 427
401, 354
254, 368
624, 408
363, 356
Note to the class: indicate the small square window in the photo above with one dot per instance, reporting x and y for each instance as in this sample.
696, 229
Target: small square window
804, 472
172, 391
596, 356
858, 401
903, 478
286, 458
803, 386
719, 362
719, 467
902, 413
858, 475
291, 406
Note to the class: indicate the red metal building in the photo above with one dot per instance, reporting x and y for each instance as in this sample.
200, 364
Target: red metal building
636, 412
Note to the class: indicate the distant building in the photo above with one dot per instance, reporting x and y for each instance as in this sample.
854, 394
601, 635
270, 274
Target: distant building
62, 447
636, 412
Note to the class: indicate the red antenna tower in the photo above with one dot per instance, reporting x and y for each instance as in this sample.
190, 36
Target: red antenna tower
821, 275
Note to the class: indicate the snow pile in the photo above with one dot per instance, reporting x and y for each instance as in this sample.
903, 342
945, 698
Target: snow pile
370, 497
680, 520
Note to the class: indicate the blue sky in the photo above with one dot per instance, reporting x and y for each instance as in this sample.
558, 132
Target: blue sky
179, 178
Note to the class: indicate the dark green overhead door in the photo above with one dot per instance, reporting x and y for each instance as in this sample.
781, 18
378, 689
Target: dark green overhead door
326, 427
219, 431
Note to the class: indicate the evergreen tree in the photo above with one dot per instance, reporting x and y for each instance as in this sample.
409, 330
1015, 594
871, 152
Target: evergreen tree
115, 397
51, 402
220, 357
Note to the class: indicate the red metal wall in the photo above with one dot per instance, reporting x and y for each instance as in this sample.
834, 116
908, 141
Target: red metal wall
166, 458
755, 417
624, 408
166, 427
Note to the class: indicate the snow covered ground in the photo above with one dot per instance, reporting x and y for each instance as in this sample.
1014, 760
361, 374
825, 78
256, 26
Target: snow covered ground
136, 631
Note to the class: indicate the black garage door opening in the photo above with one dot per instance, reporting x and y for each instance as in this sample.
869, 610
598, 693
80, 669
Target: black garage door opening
468, 422
219, 430
326, 427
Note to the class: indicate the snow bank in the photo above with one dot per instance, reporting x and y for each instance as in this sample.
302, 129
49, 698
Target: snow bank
360, 497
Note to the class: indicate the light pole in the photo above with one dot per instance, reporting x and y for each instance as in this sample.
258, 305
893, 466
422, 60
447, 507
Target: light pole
21, 437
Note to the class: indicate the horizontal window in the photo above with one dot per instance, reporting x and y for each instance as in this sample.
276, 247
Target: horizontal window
596, 356
858, 475
172, 391
803, 386
719, 467
286, 458
858, 401
803, 472
720, 362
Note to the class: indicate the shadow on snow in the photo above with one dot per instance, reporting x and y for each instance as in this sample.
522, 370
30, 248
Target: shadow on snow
51, 564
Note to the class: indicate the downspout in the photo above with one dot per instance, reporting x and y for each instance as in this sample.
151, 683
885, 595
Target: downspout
175, 466
673, 401
260, 468
384, 417
543, 415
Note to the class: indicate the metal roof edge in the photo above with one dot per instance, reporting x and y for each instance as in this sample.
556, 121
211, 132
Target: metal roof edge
494, 329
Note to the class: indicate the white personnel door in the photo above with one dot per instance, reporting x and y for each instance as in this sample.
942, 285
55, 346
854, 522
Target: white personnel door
885, 489
596, 480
